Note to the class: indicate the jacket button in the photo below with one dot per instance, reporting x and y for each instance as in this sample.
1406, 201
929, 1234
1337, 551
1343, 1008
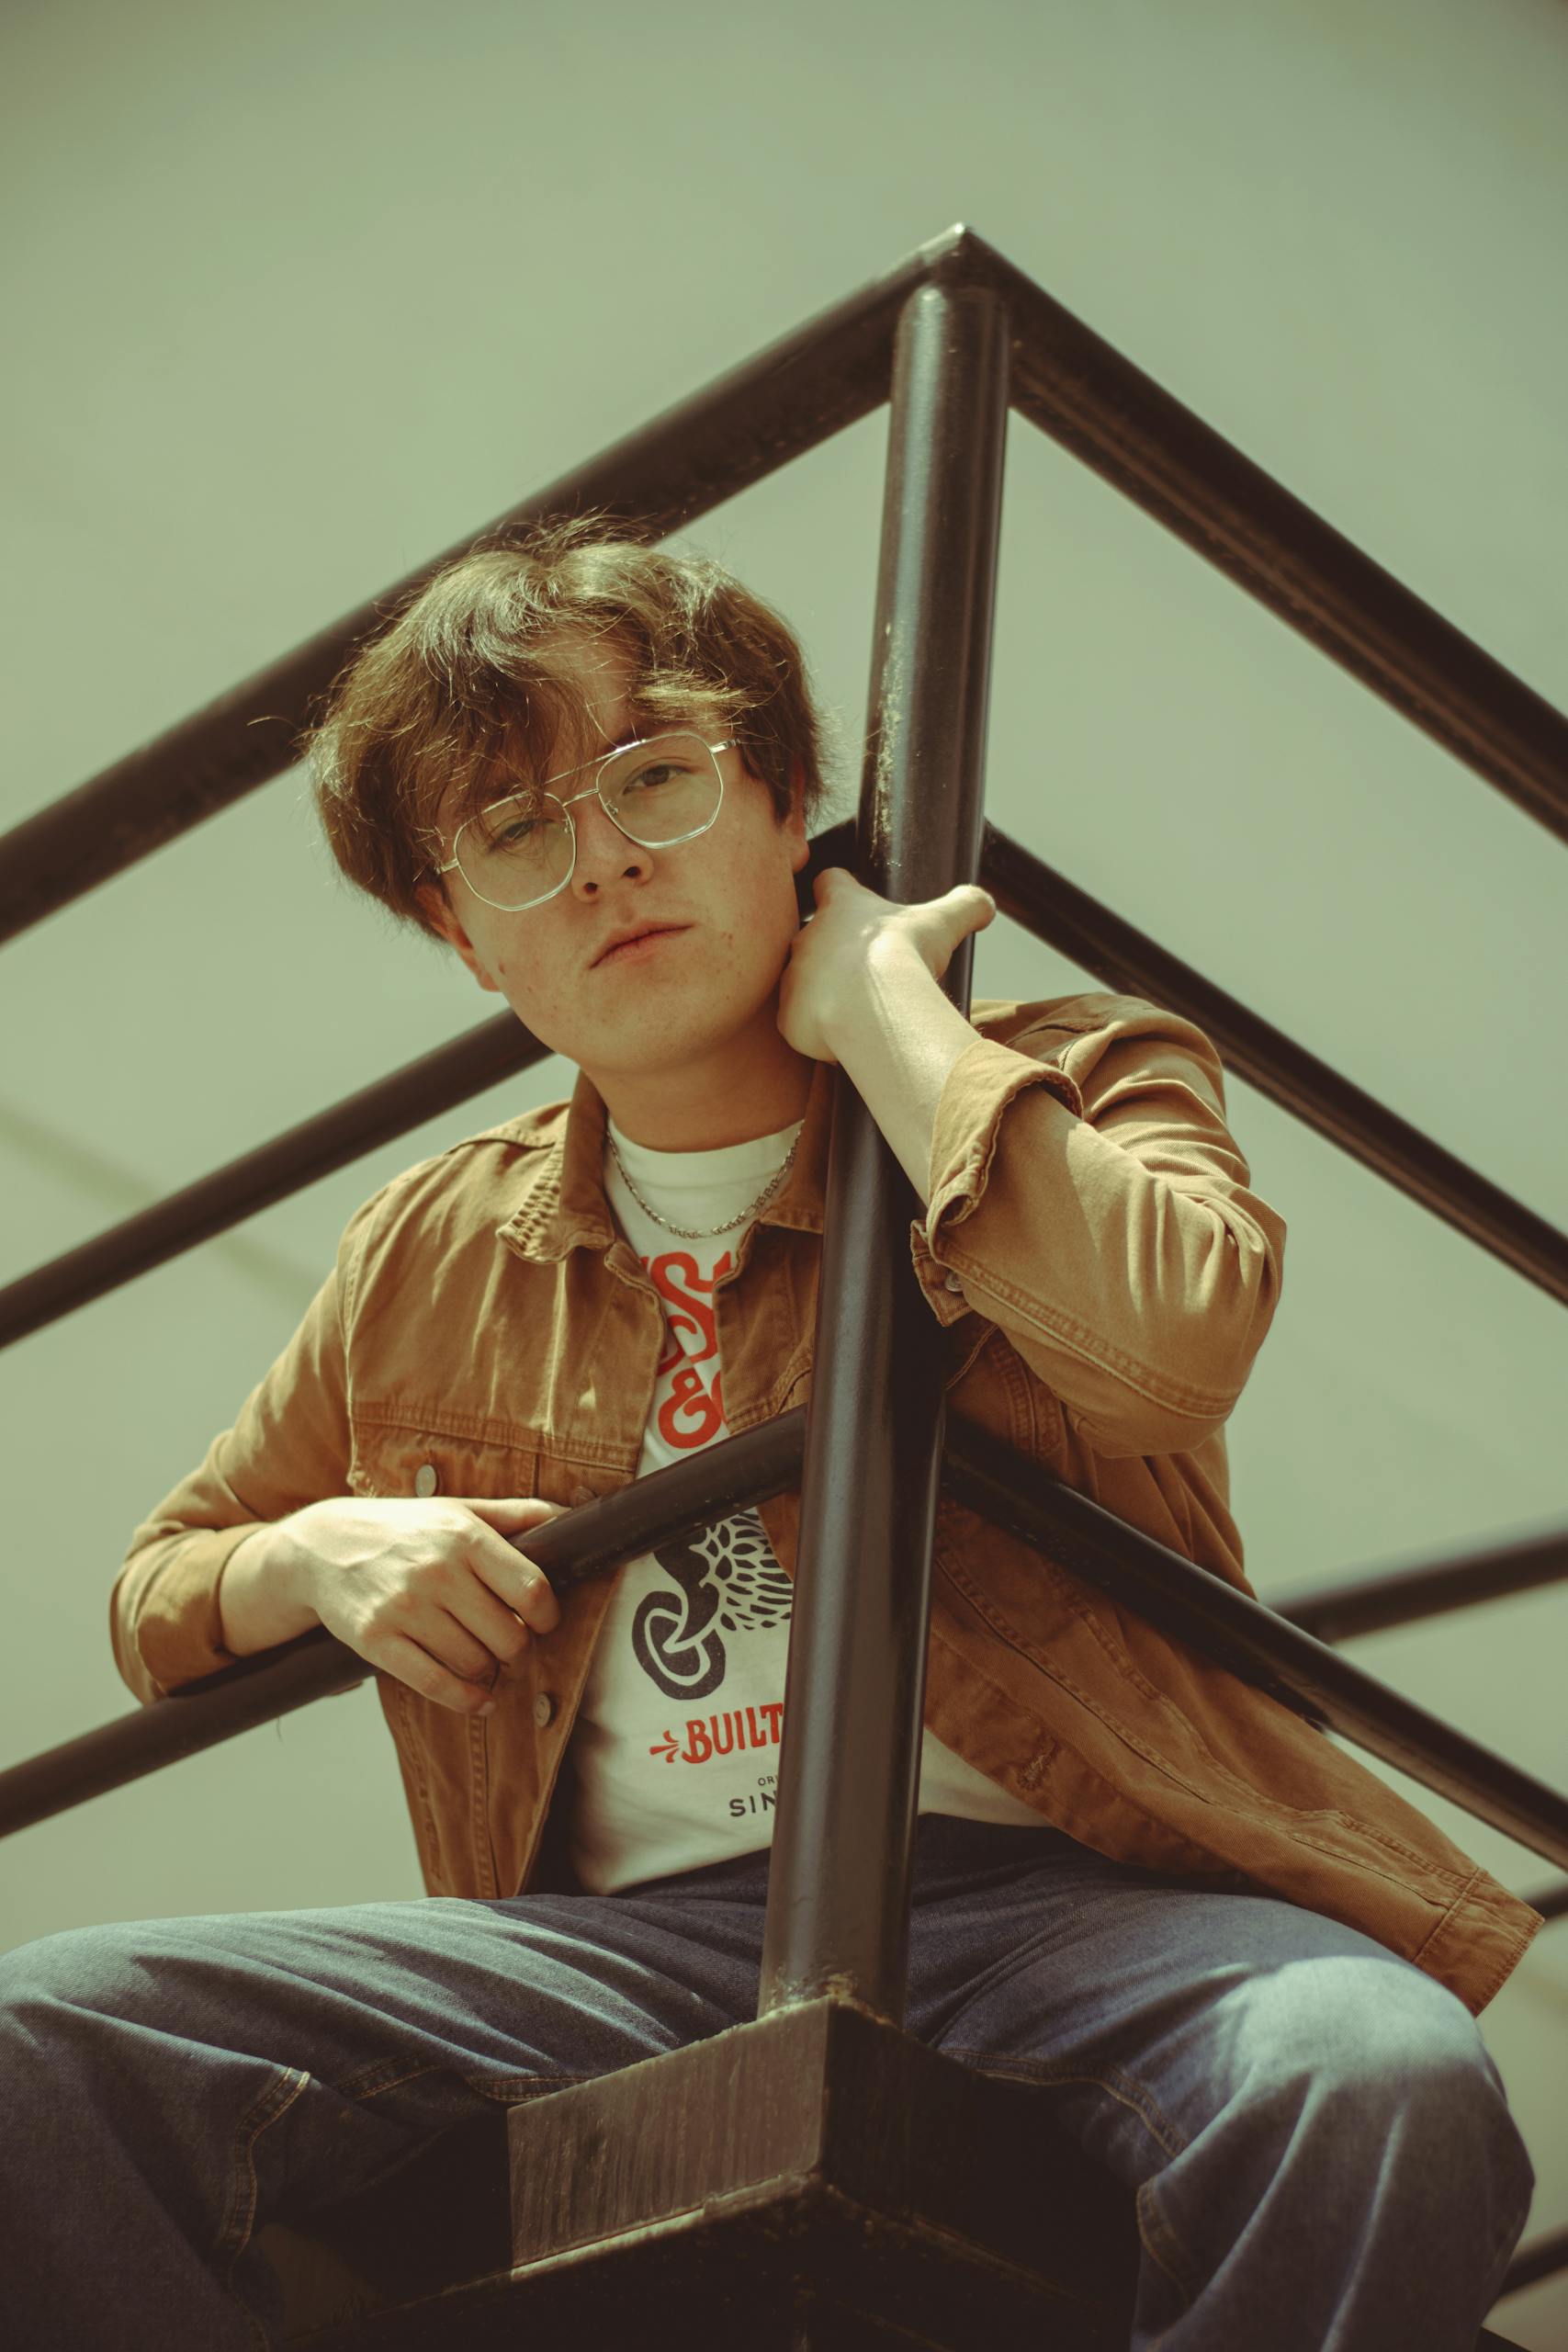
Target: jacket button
544, 1709
580, 1493
426, 1479
953, 1283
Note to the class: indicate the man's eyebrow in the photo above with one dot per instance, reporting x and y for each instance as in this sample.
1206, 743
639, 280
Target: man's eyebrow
638, 727
639, 724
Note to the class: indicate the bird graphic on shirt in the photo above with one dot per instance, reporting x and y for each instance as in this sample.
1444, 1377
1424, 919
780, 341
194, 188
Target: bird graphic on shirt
730, 1581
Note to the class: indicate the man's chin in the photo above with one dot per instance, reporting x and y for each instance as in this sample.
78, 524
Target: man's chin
661, 1034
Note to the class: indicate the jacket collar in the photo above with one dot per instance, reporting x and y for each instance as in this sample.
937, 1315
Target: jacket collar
563, 1205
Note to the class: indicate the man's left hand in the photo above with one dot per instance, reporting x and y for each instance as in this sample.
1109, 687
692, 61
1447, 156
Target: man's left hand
857, 942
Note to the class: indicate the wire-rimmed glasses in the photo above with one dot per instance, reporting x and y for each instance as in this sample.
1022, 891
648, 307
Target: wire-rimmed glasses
522, 850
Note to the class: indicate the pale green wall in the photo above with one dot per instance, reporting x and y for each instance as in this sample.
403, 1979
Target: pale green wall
299, 296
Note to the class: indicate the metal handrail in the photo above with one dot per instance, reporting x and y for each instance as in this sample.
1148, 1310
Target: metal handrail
978, 1470
216, 1707
1538, 2259
301, 1155
795, 393
1096, 405
1067, 919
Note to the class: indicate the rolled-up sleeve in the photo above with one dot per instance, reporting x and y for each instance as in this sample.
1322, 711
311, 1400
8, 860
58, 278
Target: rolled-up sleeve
288, 1446
1086, 1197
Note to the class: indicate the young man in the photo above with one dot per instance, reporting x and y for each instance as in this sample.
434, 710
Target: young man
1240, 1969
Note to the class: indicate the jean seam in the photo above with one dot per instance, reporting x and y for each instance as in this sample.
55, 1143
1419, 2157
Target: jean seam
239, 2218
1122, 2087
1175, 2262
359, 2089
520, 2088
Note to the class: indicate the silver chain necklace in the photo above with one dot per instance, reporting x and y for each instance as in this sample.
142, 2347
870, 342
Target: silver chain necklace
703, 1232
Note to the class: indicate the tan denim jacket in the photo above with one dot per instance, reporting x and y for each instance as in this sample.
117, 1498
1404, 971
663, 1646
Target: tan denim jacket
1104, 1276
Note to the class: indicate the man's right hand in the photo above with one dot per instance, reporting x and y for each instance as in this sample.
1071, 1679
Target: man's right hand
428, 1591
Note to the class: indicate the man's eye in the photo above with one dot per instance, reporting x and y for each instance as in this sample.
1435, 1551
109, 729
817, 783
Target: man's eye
512, 823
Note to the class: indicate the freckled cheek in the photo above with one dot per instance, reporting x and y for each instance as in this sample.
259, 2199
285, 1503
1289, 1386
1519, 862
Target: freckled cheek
518, 976
508, 973
512, 965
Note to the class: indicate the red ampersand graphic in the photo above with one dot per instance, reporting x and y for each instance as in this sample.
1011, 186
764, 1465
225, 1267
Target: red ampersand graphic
691, 1415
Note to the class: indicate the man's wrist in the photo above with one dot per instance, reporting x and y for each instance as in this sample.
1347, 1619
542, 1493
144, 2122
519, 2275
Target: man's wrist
264, 1590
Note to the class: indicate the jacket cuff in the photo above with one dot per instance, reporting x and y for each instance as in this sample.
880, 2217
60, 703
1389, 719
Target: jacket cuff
178, 1633
984, 1078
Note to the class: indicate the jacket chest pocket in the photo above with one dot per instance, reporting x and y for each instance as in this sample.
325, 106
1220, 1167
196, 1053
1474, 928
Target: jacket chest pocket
421, 1458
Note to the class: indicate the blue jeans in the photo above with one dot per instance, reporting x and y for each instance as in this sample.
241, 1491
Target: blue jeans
1323, 2156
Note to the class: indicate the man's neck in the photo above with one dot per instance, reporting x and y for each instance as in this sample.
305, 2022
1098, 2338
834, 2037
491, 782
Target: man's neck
743, 1089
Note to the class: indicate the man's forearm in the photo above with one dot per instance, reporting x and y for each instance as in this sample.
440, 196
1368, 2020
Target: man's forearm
897, 1039
263, 1592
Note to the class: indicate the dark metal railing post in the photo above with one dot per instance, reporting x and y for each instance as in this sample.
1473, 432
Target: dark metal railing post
837, 1918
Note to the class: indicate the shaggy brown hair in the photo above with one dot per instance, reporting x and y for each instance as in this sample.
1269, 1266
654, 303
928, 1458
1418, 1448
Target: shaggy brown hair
470, 687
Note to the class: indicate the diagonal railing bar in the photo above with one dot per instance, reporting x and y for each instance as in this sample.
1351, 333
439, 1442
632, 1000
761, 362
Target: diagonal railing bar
405, 1098
980, 1471
1249, 1639
1035, 894
794, 394
577, 1545
1086, 397
1067, 919
1370, 1603
1538, 2259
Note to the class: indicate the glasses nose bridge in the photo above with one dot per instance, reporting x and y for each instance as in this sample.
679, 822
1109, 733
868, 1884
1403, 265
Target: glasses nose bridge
588, 792
594, 792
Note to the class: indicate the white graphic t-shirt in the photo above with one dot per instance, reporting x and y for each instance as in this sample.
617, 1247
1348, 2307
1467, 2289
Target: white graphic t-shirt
676, 1744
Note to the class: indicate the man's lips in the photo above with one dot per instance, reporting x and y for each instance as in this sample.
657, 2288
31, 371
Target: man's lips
643, 944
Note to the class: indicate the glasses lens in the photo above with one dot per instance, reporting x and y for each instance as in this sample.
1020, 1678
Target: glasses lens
516, 851
519, 849
663, 789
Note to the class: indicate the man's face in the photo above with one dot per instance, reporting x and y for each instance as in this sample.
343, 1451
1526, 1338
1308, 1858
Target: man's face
707, 986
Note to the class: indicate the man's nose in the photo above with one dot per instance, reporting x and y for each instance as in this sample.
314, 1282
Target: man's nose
603, 852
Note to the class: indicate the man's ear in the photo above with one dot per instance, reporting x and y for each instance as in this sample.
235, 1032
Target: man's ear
437, 909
